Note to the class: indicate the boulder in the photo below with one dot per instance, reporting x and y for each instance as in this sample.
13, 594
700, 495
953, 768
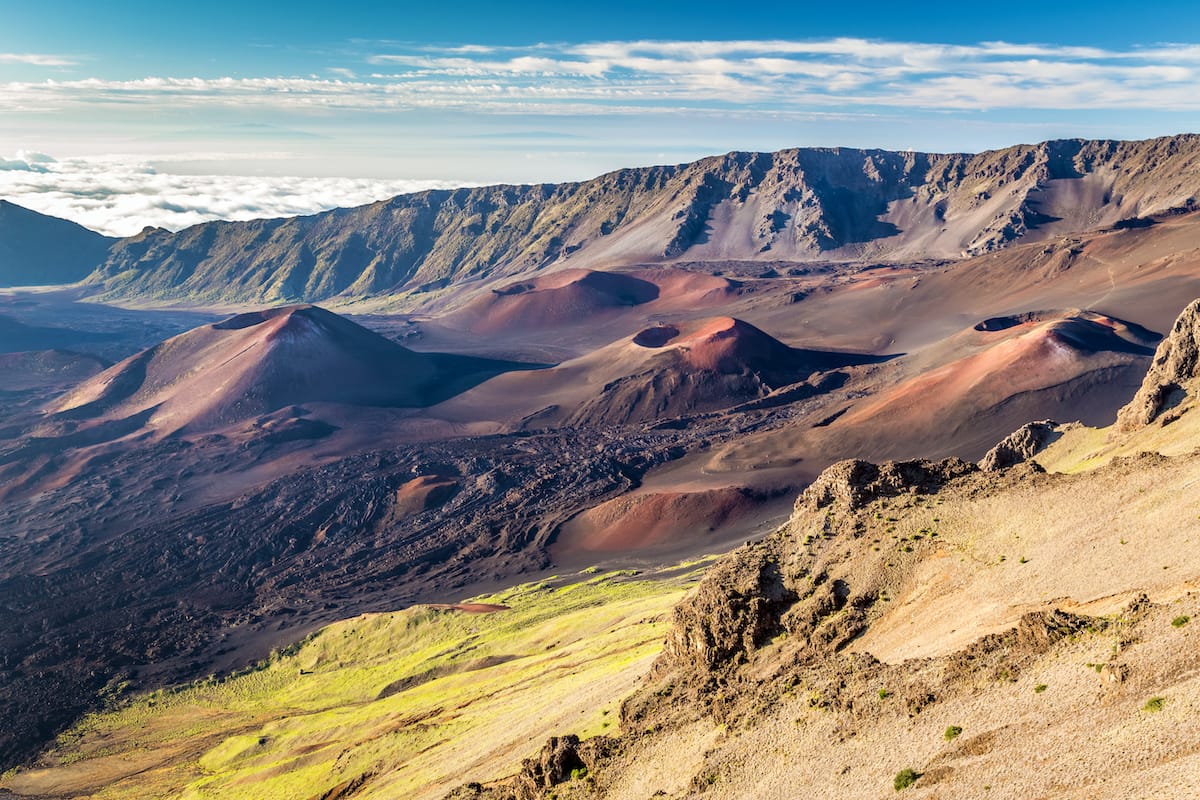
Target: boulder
1020, 445
1175, 366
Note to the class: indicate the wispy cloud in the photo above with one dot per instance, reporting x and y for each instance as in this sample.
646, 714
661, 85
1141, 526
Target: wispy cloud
121, 195
37, 60
620, 77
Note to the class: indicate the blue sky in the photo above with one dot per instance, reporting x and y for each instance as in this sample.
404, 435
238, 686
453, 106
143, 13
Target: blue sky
334, 103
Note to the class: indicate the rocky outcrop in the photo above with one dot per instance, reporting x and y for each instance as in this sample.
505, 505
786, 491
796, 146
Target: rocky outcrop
854, 483
775, 586
1175, 368
563, 759
736, 607
804, 646
1020, 445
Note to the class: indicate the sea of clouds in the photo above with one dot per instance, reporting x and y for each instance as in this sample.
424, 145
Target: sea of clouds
121, 195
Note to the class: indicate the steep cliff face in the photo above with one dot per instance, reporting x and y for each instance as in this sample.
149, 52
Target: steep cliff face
802, 205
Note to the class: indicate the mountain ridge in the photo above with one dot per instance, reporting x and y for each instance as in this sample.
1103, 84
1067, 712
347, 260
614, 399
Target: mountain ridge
802, 204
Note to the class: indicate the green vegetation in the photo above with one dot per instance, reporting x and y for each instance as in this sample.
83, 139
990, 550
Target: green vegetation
905, 778
1180, 621
952, 733
1041, 687
884, 694
1154, 704
421, 700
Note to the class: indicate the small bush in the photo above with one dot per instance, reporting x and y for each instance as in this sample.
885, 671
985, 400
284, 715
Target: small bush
905, 778
884, 694
952, 733
1154, 704
1180, 621
1041, 687
579, 773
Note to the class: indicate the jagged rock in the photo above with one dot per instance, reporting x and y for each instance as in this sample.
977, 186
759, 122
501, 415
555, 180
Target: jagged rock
1175, 365
1020, 445
562, 759
737, 604
1039, 630
559, 757
1112, 674
856, 483
1004, 655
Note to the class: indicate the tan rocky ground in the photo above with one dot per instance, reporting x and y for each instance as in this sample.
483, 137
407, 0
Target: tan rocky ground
1005, 633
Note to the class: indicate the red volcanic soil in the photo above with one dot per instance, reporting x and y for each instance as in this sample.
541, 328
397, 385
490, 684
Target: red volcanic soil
700, 367
564, 298
662, 372
728, 345
577, 297
657, 336
684, 290
253, 364
1009, 369
468, 608
638, 522
424, 493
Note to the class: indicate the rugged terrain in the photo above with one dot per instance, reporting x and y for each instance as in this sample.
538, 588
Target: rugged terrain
182, 490
915, 626
934, 628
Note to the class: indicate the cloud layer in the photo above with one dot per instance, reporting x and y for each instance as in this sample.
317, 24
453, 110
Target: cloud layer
663, 99
119, 196
776, 76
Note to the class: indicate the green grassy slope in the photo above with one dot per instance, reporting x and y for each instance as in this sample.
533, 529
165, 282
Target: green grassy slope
409, 703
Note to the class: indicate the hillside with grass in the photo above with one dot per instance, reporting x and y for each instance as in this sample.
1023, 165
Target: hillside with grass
405, 704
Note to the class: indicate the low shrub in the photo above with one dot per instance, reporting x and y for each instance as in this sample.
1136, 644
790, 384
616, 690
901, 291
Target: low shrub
905, 778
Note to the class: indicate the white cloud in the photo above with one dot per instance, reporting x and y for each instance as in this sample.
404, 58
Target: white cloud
623, 77
37, 60
26, 161
120, 195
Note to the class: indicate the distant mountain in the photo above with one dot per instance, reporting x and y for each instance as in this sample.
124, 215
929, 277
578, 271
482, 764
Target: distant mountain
39, 250
815, 204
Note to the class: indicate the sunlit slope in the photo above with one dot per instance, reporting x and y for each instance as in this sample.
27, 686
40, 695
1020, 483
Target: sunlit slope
402, 704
